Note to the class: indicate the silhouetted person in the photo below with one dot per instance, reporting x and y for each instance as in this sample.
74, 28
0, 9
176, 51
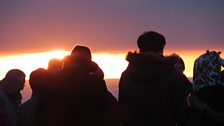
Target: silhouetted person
50, 101
206, 102
150, 88
85, 97
84, 52
28, 110
95, 70
42, 108
10, 97
178, 64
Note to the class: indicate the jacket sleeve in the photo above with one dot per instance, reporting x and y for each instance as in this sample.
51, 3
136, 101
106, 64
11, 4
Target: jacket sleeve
123, 94
181, 90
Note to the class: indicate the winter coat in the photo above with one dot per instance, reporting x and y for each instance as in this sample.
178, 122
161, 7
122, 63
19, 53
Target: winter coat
9, 114
80, 98
153, 92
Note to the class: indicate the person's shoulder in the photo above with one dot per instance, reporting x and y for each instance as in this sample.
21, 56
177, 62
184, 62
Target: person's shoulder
176, 76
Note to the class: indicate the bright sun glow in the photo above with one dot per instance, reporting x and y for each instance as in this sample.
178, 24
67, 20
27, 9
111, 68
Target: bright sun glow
28, 62
111, 64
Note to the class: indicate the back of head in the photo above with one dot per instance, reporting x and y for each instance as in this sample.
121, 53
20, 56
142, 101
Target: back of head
55, 65
37, 79
177, 62
151, 41
207, 70
82, 51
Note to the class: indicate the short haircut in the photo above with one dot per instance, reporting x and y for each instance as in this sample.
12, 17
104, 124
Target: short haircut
151, 41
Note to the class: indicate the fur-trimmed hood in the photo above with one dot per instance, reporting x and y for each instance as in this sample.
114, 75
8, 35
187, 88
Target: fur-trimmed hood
151, 66
74, 62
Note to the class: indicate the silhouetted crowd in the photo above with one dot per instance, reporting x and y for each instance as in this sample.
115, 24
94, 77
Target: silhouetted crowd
153, 91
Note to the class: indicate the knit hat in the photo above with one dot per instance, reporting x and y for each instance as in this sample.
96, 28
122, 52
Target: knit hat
207, 70
151, 41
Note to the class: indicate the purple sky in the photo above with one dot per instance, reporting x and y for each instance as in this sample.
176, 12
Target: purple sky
109, 25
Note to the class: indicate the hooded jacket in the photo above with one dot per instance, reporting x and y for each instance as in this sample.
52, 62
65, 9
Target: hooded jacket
153, 91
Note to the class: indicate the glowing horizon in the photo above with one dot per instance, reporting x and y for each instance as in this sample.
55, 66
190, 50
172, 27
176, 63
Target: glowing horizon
113, 64
28, 62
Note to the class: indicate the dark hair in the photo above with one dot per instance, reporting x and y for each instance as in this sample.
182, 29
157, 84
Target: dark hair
14, 74
151, 41
176, 59
36, 80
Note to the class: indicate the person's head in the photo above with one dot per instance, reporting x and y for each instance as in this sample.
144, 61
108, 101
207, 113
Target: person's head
207, 70
82, 51
36, 80
54, 65
14, 81
151, 42
177, 62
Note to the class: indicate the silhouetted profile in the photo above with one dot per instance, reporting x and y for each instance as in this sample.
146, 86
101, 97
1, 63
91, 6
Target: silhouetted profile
10, 97
206, 102
151, 90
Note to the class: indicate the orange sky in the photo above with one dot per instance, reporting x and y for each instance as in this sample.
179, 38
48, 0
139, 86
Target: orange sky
189, 57
113, 64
